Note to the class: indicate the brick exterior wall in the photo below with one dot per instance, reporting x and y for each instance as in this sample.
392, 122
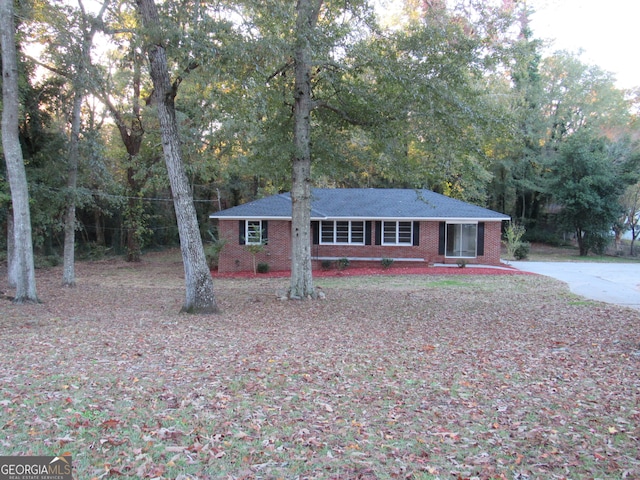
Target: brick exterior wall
492, 244
235, 257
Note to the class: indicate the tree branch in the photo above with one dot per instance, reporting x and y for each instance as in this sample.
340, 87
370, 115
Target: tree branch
343, 114
176, 83
51, 68
281, 70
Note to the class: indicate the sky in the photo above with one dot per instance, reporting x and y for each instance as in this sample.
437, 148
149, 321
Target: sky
604, 30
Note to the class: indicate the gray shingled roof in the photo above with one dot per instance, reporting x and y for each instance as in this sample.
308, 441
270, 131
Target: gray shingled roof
366, 203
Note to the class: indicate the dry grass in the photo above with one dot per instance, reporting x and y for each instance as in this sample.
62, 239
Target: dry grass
465, 376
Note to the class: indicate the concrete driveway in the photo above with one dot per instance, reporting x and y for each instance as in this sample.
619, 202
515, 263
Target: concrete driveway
617, 283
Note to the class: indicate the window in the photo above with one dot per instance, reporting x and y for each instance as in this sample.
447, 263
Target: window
461, 239
255, 232
343, 232
397, 233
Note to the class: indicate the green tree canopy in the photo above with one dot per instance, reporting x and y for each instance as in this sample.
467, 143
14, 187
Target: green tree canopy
586, 183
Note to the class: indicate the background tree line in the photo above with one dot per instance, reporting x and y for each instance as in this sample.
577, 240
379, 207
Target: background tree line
455, 97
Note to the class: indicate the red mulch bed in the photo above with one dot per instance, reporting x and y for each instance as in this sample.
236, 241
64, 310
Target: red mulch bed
360, 271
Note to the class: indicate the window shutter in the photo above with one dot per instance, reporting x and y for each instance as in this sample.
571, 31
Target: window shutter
480, 238
242, 236
416, 234
378, 233
265, 232
441, 238
367, 233
315, 232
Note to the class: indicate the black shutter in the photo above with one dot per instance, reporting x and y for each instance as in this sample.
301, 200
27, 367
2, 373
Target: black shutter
480, 238
242, 238
265, 232
416, 234
441, 239
315, 232
378, 233
367, 233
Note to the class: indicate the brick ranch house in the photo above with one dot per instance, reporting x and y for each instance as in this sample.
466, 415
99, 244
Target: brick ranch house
364, 225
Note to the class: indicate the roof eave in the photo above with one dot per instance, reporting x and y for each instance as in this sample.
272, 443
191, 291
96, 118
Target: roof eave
395, 219
249, 217
419, 219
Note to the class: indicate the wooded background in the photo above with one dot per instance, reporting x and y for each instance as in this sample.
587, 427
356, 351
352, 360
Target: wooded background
456, 98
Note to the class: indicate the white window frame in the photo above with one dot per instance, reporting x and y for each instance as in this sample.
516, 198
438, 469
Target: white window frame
334, 232
253, 229
459, 248
397, 241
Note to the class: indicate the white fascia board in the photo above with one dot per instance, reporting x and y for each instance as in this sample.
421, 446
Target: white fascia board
253, 217
416, 219
384, 219
471, 220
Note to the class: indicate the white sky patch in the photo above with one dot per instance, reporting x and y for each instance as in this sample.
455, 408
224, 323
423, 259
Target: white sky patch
605, 31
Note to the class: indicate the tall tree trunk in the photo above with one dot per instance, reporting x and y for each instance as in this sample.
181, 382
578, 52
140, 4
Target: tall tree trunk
582, 243
134, 221
301, 283
132, 133
23, 246
79, 83
200, 297
68, 270
12, 275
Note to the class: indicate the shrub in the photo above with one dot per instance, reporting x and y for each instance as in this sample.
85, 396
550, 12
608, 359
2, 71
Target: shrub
212, 252
263, 268
387, 262
522, 251
46, 261
597, 242
325, 265
538, 235
343, 263
92, 251
513, 239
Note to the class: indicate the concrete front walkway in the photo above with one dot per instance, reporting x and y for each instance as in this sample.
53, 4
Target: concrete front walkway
617, 283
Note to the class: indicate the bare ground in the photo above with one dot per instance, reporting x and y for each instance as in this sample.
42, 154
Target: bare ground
412, 376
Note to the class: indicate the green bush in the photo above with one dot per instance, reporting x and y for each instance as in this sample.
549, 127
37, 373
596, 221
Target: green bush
513, 238
387, 262
212, 252
542, 236
263, 268
47, 261
92, 251
343, 263
597, 242
522, 251
325, 265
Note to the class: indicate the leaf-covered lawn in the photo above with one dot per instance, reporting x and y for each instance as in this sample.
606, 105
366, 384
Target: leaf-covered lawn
416, 376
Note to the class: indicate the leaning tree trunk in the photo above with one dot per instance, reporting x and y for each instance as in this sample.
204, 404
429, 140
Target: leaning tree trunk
25, 278
301, 284
200, 297
68, 270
